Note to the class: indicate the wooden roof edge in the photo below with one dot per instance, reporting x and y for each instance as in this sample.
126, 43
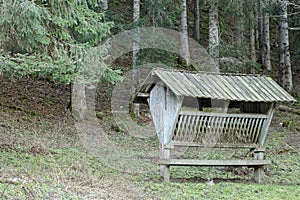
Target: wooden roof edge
205, 72
152, 79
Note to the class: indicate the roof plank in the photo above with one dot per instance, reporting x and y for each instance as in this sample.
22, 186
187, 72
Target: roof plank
219, 86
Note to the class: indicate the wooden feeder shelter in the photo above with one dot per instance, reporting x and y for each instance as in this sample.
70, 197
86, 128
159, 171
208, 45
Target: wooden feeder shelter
211, 110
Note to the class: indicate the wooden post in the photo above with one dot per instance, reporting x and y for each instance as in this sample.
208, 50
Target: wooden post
164, 169
259, 152
258, 170
136, 110
266, 125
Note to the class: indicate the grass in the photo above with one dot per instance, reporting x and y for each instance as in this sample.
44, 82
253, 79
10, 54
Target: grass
50, 163
58, 173
226, 191
26, 175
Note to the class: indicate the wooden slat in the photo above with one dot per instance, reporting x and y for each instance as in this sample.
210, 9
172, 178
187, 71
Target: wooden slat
235, 128
188, 128
230, 126
244, 127
181, 126
252, 131
199, 131
221, 126
200, 113
194, 128
248, 132
219, 145
227, 125
258, 132
177, 90
190, 162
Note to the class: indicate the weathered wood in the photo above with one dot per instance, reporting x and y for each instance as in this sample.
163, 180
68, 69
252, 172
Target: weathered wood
164, 155
266, 125
256, 164
178, 126
136, 110
211, 128
164, 107
166, 174
193, 162
244, 115
173, 104
259, 174
157, 102
144, 95
251, 125
258, 170
247, 89
173, 144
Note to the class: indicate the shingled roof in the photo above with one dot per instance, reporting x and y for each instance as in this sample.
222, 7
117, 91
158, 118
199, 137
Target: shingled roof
235, 87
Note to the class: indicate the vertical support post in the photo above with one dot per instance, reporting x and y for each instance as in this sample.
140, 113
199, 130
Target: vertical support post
259, 153
136, 109
258, 170
164, 169
266, 125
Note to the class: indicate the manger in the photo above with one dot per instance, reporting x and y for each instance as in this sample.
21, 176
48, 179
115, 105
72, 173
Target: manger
211, 110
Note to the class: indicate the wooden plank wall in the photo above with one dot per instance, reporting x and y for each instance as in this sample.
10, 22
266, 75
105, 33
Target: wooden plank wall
164, 107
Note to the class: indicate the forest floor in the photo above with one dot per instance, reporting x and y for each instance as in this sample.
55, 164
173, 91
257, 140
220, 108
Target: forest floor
45, 155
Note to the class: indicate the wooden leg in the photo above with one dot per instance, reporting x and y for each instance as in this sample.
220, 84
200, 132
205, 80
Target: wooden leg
258, 155
259, 174
164, 170
259, 170
167, 174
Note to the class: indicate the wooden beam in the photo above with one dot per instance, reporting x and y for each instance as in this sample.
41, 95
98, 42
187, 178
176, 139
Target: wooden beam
143, 95
173, 144
192, 162
266, 125
211, 114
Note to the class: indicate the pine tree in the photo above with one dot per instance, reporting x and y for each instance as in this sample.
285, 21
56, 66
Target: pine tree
214, 39
50, 38
184, 41
197, 21
285, 68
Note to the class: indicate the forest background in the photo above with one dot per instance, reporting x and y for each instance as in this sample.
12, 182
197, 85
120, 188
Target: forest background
44, 45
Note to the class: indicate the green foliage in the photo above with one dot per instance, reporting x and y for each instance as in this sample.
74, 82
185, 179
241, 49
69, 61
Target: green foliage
22, 26
156, 13
48, 26
50, 38
112, 76
40, 66
162, 13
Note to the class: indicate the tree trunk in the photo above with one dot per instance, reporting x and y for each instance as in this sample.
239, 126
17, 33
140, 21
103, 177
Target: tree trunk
266, 43
285, 69
252, 36
79, 101
214, 40
239, 26
260, 30
197, 21
135, 47
184, 40
105, 4
135, 51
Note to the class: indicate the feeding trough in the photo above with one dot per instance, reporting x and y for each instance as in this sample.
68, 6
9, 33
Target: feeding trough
211, 110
